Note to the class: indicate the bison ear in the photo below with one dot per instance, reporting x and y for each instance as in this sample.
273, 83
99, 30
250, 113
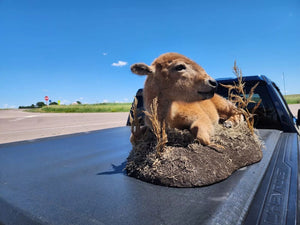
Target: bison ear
141, 69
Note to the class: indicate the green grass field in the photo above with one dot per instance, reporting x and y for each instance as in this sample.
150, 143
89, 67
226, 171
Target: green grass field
292, 99
85, 108
115, 107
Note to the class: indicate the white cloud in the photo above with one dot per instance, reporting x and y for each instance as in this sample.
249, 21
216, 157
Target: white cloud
105, 101
120, 64
104, 53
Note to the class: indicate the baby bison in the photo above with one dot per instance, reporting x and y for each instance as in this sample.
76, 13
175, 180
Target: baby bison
186, 95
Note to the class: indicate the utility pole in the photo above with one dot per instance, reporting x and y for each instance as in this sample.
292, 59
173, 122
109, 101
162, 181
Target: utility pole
283, 83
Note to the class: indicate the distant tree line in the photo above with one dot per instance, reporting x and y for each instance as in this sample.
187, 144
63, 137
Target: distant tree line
37, 105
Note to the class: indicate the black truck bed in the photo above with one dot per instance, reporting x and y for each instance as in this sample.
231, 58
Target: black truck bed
79, 179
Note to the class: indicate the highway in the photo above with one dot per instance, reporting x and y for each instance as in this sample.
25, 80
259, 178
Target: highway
19, 125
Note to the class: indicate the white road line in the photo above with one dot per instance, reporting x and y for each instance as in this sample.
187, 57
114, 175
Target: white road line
62, 127
24, 117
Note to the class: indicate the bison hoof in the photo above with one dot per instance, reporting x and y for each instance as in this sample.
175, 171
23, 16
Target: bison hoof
228, 124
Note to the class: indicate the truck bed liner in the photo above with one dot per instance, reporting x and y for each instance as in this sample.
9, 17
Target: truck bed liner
79, 179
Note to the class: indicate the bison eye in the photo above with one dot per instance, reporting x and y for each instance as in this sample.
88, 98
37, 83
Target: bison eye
180, 67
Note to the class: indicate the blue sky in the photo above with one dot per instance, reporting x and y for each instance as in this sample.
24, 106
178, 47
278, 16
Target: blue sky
82, 50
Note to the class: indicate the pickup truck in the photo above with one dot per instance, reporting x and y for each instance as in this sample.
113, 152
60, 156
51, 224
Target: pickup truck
80, 178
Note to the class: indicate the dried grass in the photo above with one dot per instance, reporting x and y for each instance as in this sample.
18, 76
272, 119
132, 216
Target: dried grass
237, 95
158, 127
134, 120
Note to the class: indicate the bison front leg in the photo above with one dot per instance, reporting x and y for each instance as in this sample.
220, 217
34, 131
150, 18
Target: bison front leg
202, 130
192, 115
227, 111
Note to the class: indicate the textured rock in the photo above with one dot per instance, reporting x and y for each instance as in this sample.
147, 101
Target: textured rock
184, 162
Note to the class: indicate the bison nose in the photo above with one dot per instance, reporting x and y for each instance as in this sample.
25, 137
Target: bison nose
213, 83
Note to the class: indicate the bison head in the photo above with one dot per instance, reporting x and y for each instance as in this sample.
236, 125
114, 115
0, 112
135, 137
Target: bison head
177, 78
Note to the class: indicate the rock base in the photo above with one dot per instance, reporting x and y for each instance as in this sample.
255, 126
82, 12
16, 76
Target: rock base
184, 162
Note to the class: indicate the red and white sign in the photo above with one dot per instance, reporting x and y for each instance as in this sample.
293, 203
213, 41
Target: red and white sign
46, 98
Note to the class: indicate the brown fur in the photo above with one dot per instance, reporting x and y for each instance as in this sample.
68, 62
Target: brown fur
185, 94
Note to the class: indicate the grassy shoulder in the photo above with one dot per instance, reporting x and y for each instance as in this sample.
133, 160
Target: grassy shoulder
84, 108
115, 107
292, 99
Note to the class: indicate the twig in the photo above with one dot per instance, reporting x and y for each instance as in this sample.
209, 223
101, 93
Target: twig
238, 96
158, 127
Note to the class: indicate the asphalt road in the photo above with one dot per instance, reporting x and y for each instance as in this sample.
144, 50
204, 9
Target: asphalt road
18, 125
294, 109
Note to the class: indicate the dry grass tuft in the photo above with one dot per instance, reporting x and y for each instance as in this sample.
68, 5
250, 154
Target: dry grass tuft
158, 127
134, 120
237, 95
